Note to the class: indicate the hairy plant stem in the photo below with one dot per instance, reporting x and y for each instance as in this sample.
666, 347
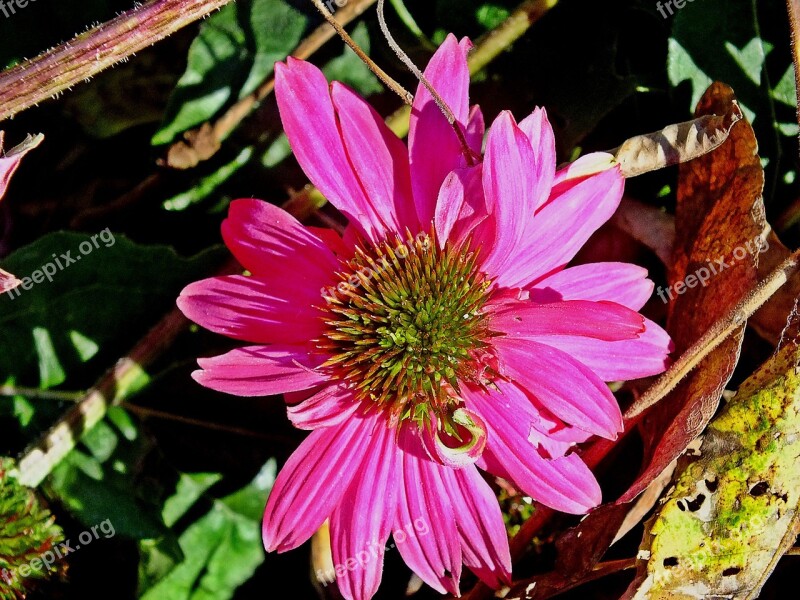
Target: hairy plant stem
97, 49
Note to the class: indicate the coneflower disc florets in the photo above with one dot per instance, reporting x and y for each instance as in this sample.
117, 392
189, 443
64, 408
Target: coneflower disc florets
405, 323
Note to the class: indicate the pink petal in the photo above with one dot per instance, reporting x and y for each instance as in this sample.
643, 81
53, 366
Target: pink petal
461, 209
332, 240
247, 309
310, 123
539, 132
434, 149
9, 161
272, 244
426, 510
362, 522
379, 159
476, 127
601, 320
622, 360
566, 387
580, 169
484, 543
313, 481
513, 187
330, 406
261, 370
8, 282
623, 283
563, 483
562, 227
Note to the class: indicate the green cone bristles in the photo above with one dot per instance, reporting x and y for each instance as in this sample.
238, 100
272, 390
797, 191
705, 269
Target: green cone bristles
27, 531
404, 324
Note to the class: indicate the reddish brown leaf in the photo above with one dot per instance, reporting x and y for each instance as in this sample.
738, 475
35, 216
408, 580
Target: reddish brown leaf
719, 218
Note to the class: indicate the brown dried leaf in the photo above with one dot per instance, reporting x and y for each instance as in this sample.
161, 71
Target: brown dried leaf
719, 216
677, 143
582, 547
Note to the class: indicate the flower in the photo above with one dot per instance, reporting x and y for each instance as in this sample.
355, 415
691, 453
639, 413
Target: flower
440, 335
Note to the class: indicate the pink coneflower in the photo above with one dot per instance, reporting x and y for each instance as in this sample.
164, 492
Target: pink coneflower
442, 334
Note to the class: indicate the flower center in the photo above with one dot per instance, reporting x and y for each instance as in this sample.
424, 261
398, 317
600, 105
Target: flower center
405, 325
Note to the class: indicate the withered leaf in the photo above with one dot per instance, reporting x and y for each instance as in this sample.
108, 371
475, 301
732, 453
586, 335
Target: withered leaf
733, 513
677, 143
719, 218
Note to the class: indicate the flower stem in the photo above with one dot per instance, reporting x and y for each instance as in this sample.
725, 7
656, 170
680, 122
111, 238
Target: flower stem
101, 47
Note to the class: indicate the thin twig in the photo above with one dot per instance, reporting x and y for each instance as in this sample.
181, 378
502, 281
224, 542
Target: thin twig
97, 49
448, 113
398, 89
37, 394
715, 335
146, 412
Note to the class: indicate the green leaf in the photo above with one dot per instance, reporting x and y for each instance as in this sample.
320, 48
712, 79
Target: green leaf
786, 90
491, 15
221, 550
350, 69
100, 483
86, 311
717, 41
74, 326
234, 52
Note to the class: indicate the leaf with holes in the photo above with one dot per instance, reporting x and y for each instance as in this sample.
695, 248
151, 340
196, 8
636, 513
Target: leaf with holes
732, 513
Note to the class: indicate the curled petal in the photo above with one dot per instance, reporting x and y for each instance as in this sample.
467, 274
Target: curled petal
462, 447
